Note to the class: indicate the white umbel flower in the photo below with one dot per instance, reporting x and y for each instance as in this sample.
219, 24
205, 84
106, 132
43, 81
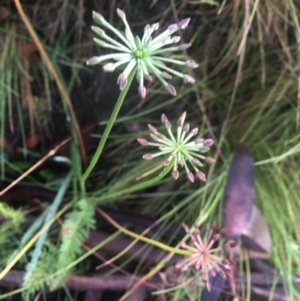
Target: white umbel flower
142, 55
179, 149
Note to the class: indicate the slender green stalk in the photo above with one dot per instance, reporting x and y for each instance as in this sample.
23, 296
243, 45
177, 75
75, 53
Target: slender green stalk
109, 126
135, 187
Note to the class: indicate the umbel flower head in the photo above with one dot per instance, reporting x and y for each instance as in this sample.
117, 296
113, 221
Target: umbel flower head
179, 149
142, 55
203, 254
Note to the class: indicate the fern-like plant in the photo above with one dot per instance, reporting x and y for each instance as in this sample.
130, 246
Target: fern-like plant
76, 229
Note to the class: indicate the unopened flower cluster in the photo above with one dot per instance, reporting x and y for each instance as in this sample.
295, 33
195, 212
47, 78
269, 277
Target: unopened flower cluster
142, 56
203, 256
180, 151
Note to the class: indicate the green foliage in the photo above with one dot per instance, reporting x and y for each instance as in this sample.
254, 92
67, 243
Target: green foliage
8, 230
75, 230
44, 271
16, 216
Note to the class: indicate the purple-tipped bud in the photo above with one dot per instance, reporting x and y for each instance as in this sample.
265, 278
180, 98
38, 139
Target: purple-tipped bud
166, 75
161, 136
172, 27
184, 46
164, 118
143, 141
171, 89
191, 64
147, 28
184, 23
154, 137
93, 60
148, 157
120, 13
201, 176
186, 127
175, 174
166, 162
208, 142
109, 67
194, 131
99, 31
142, 91
168, 124
210, 160
203, 149
189, 79
98, 18
197, 162
186, 228
152, 128
190, 177
181, 119
155, 26
198, 265
213, 272
216, 237
193, 239
176, 39
122, 81
100, 42
199, 140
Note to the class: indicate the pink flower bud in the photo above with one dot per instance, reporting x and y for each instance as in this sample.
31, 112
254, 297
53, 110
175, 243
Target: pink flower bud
166, 162
199, 140
201, 176
184, 46
109, 67
142, 141
210, 160
171, 89
120, 13
184, 23
194, 131
164, 118
191, 63
154, 137
197, 162
208, 142
148, 157
189, 79
99, 31
186, 127
98, 18
204, 149
142, 91
181, 119
122, 81
94, 60
190, 176
175, 174
152, 128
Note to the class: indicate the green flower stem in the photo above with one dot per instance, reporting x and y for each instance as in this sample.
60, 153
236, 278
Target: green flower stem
147, 240
135, 187
109, 126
